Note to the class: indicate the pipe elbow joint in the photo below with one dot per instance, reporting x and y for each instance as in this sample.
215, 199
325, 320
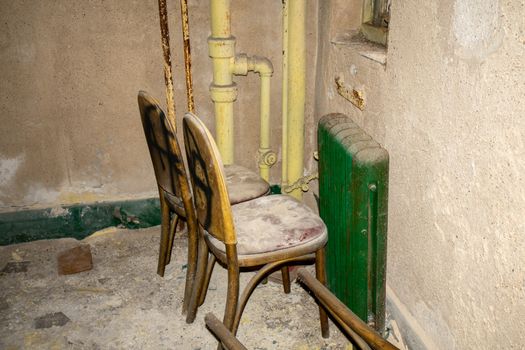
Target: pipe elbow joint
261, 65
244, 64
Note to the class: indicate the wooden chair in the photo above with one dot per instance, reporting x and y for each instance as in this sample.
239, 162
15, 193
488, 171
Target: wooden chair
271, 231
174, 191
359, 332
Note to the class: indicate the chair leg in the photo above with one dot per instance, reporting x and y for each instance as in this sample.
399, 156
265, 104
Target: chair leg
320, 274
198, 283
211, 264
232, 297
173, 228
258, 278
285, 272
248, 290
164, 235
191, 267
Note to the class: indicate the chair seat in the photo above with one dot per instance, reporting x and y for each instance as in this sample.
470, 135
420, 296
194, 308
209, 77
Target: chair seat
244, 184
276, 223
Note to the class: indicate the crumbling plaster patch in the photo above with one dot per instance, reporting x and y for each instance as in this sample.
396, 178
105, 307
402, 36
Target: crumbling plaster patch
477, 27
8, 169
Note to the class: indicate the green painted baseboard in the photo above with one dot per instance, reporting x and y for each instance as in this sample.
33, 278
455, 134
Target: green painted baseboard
77, 221
275, 189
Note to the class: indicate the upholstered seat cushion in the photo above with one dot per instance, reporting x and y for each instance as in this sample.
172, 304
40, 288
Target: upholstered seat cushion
273, 223
243, 184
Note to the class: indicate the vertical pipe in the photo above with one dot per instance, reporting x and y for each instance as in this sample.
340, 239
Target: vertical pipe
224, 130
223, 90
264, 143
296, 90
168, 76
220, 19
284, 149
263, 66
187, 54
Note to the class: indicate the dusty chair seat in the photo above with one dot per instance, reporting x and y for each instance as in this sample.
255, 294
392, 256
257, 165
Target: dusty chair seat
243, 184
272, 227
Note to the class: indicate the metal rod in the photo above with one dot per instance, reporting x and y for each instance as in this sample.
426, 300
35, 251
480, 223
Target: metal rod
284, 149
168, 75
187, 54
223, 90
296, 91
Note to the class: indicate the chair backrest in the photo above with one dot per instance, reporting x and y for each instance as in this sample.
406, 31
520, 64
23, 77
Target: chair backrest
163, 147
207, 178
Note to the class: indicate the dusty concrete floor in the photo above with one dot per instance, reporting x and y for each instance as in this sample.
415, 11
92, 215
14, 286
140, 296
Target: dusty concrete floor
123, 304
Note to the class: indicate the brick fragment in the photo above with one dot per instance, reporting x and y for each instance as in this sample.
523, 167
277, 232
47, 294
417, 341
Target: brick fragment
75, 260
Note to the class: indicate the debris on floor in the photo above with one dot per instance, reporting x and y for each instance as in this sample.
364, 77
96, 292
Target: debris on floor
50, 320
75, 260
121, 303
16, 267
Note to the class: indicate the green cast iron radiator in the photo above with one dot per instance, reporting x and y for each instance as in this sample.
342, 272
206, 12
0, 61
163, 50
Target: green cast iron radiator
353, 196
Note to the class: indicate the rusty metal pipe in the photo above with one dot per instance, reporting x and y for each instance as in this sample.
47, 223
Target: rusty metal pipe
168, 75
187, 54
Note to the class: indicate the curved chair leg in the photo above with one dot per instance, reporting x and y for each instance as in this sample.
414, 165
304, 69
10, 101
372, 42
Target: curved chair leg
204, 291
232, 297
255, 280
173, 228
191, 266
198, 283
164, 235
285, 272
320, 274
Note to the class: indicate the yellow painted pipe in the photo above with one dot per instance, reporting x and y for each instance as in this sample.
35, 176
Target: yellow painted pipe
284, 110
263, 66
296, 91
220, 18
223, 90
266, 156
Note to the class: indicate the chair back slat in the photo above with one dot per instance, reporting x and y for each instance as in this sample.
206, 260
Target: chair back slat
165, 152
207, 178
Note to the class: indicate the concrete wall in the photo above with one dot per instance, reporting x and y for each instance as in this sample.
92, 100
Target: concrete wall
70, 74
448, 105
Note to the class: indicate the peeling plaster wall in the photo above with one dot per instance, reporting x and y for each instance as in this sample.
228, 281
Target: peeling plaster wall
449, 107
70, 75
